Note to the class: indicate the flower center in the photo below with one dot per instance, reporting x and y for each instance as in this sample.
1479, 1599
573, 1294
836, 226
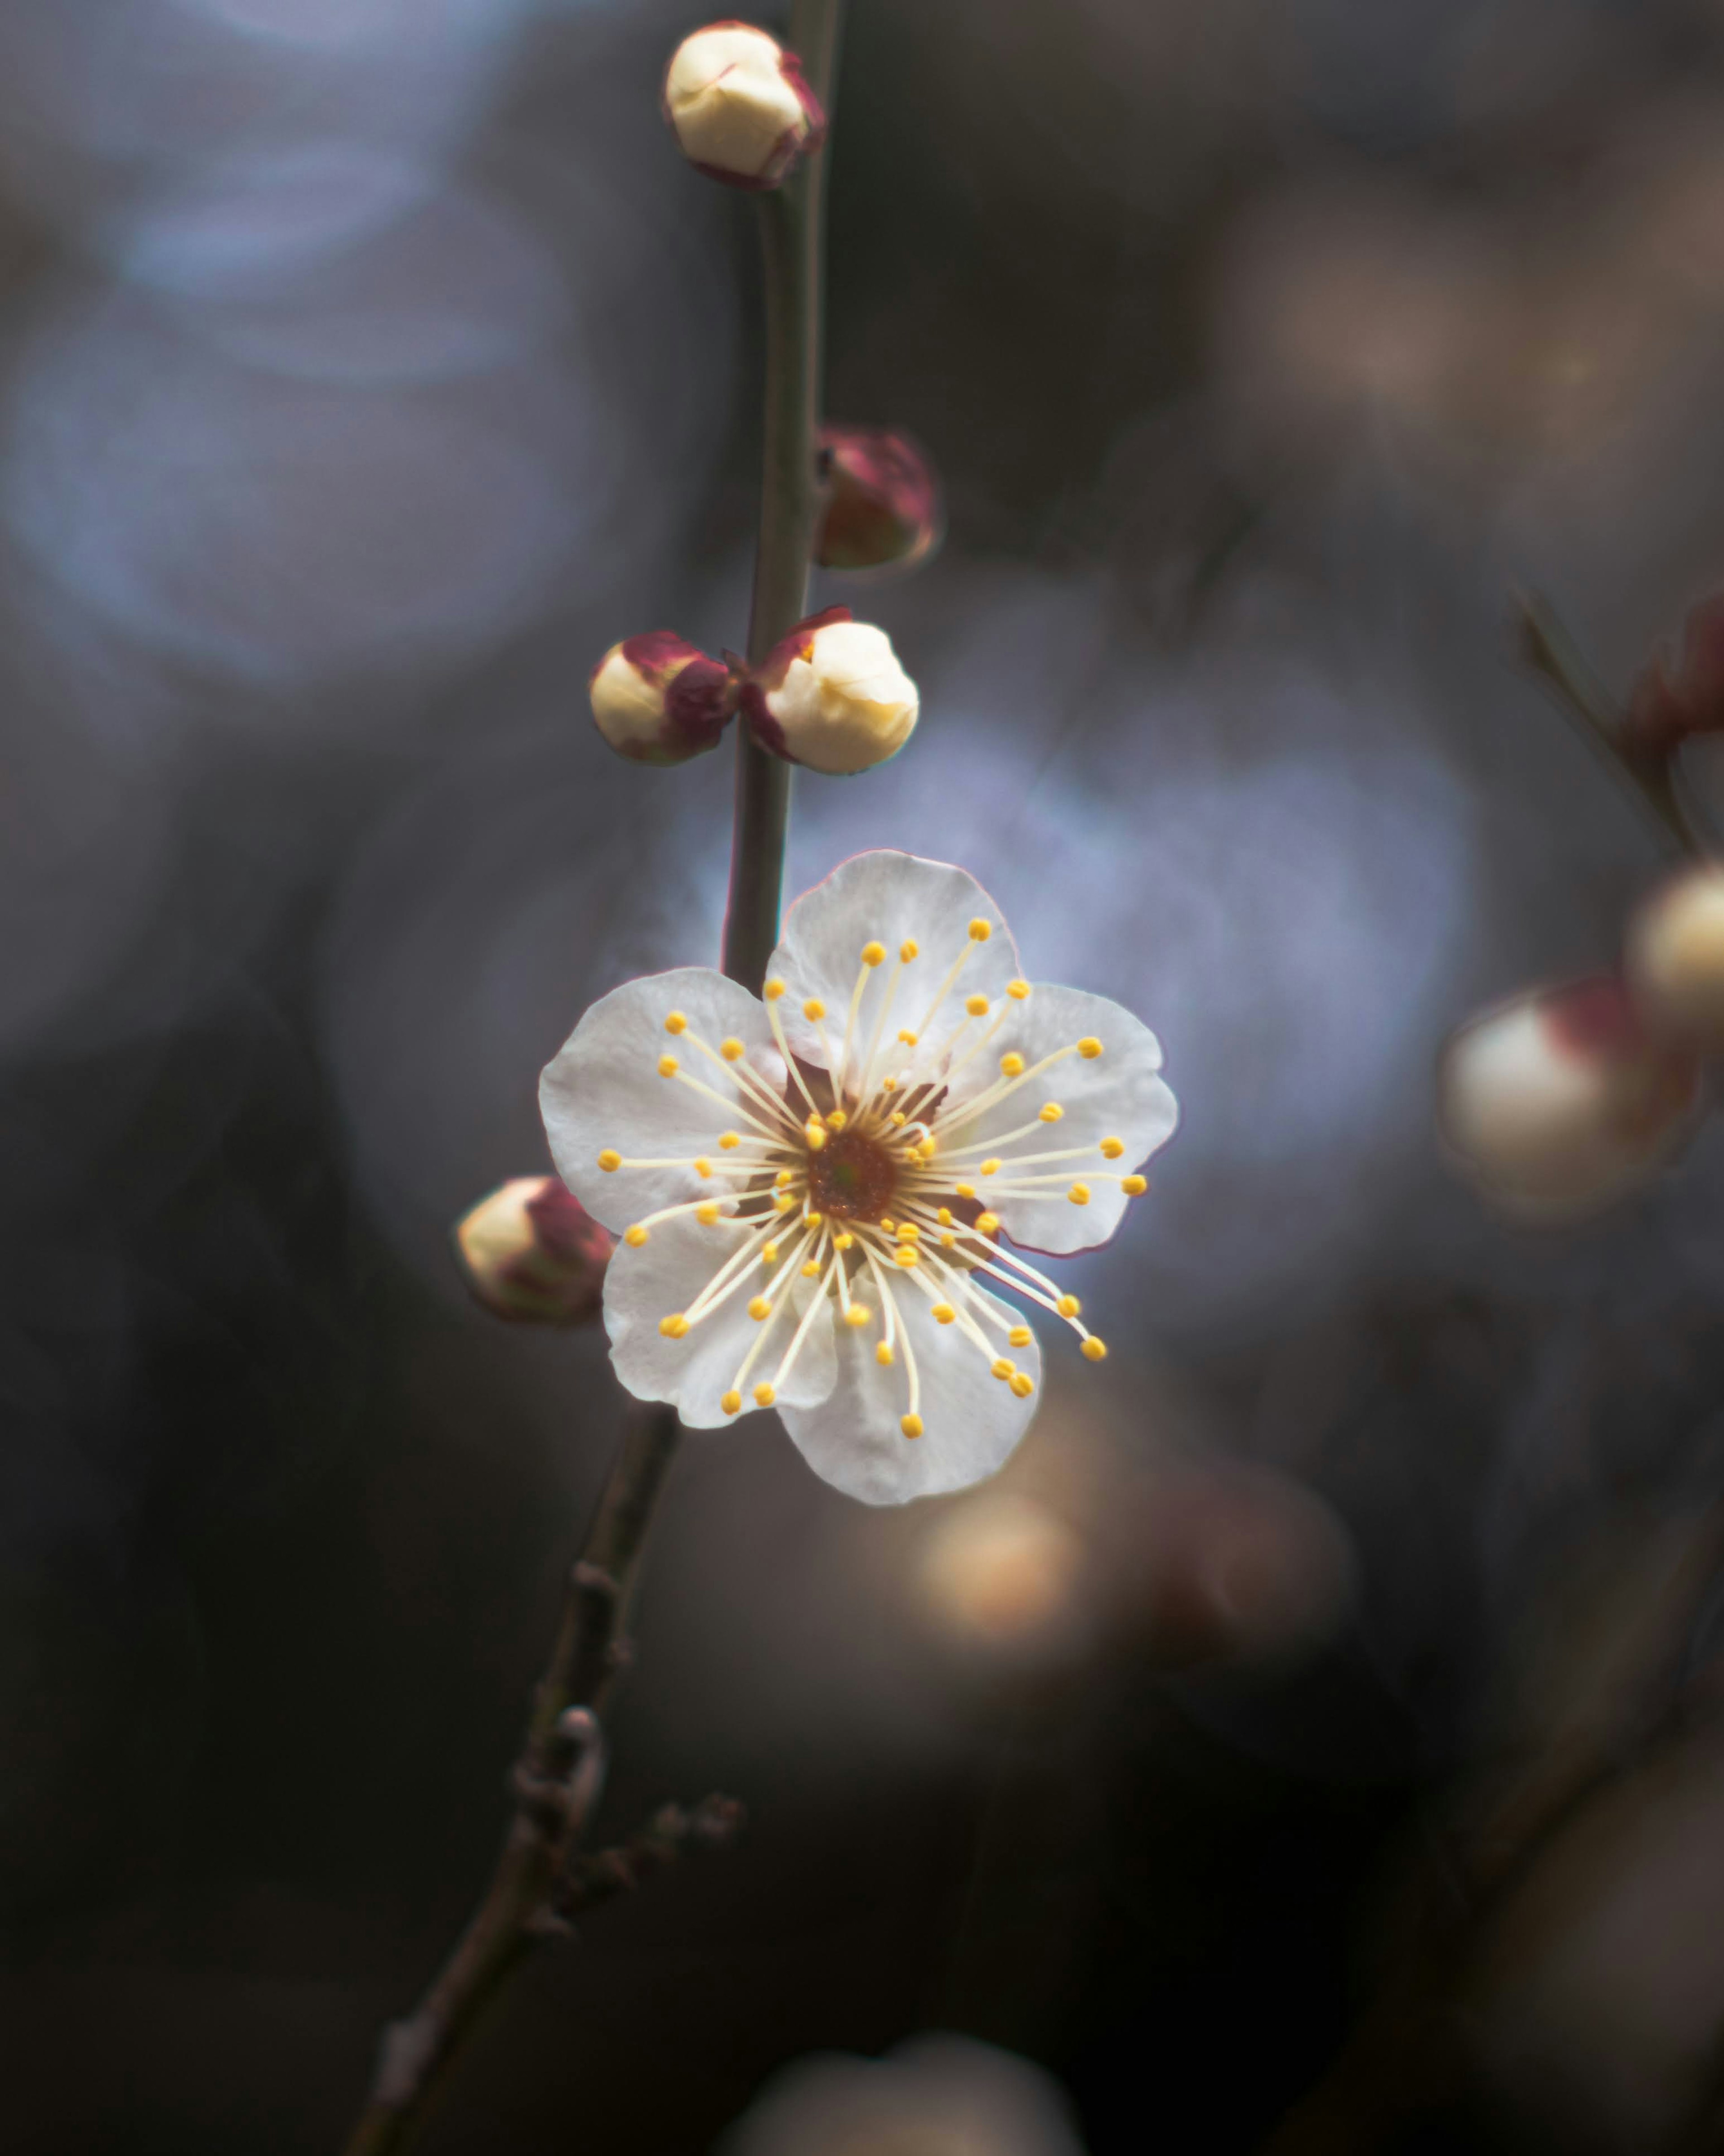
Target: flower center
851, 1178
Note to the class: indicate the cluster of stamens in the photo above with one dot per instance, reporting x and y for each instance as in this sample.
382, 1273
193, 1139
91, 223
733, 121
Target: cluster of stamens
855, 1180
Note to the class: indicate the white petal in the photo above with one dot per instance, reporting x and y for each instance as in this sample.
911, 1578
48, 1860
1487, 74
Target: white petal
602, 1090
664, 1276
1117, 1095
888, 898
972, 1420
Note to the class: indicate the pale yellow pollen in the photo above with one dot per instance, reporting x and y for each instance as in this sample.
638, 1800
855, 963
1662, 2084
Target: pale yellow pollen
897, 1119
1111, 1148
668, 1066
1018, 990
813, 1219
1094, 1348
759, 1309
977, 1006
874, 954
814, 1008
1079, 1193
843, 1240
948, 1241
674, 1327
1022, 1384
1068, 1306
811, 1270
782, 1178
883, 1356
1134, 1186
908, 1232
888, 1225
708, 1214
907, 1254
964, 1190
1088, 1048
943, 1313
944, 1216
907, 1036
891, 1085
908, 949
729, 1141
1002, 1367
858, 1315
1019, 1336
772, 990
703, 1167
675, 1022
987, 1224
989, 1167
815, 1133
980, 930
769, 1254
610, 1161
732, 1403
926, 1149
1012, 1064
784, 1202
911, 1425
732, 1050
634, 1236
1051, 1111
764, 1396
836, 1119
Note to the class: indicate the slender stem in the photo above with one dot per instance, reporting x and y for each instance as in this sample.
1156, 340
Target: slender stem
791, 222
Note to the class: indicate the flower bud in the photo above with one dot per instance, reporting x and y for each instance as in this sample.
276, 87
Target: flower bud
882, 507
832, 696
1668, 707
1560, 1100
1675, 959
533, 1253
738, 105
659, 699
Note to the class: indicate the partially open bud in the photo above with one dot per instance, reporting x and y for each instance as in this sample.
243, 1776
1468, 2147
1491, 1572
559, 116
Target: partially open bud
533, 1253
1669, 706
1675, 959
1559, 1101
832, 696
659, 699
738, 105
882, 504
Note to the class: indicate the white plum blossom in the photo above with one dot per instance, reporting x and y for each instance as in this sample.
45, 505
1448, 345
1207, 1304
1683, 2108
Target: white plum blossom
813, 1190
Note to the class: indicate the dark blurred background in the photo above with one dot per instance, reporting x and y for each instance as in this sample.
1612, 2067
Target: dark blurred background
1340, 1658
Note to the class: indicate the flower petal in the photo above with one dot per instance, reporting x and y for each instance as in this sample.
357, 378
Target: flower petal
971, 1421
889, 898
694, 1373
602, 1090
1115, 1095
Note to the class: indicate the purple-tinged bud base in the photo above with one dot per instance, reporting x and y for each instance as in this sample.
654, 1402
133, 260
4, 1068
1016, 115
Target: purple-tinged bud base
530, 1253
882, 509
658, 699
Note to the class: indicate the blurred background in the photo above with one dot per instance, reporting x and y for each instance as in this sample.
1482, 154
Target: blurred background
1310, 1740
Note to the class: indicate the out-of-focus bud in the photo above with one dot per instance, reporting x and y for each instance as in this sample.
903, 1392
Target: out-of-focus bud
882, 508
659, 699
1558, 1101
1674, 959
738, 105
1668, 707
833, 695
533, 1253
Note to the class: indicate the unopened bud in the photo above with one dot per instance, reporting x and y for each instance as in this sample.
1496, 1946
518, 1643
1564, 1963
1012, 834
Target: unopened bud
832, 696
1675, 959
1561, 1100
883, 502
659, 699
533, 1253
1670, 705
738, 105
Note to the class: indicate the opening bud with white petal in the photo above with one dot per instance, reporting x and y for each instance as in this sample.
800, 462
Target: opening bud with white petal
1675, 959
882, 508
660, 699
738, 105
1559, 1101
832, 696
531, 1252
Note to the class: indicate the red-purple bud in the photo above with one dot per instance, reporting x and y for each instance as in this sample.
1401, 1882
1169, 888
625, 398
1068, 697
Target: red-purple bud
739, 106
659, 699
1668, 707
882, 507
533, 1253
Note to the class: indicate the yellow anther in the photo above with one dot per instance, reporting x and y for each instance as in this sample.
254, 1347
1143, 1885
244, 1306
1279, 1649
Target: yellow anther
836, 1119
772, 990
980, 930
908, 1232
911, 1425
943, 1313
1111, 1148
814, 1008
1017, 991
784, 1203
729, 1141
1002, 1367
1020, 1335
989, 1167
1012, 1064
782, 1178
1079, 1193
732, 1050
944, 1216
908, 948
1051, 1111
815, 1133
703, 1167
1095, 1349
811, 1270
634, 1236
889, 1225
843, 1240
674, 1327
907, 1254
764, 1396
874, 954
813, 1220
708, 1214
858, 1315
1022, 1384
891, 1085
897, 1119
1134, 1186
977, 1006
907, 1036
948, 1241
675, 1022
769, 1254
668, 1066
883, 1356
987, 1224
1088, 1048
732, 1403
925, 1150
610, 1161
1068, 1306
963, 1189
759, 1309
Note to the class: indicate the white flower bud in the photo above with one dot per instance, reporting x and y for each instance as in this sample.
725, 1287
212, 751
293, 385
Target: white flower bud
659, 699
1675, 959
531, 1252
833, 695
738, 105
1558, 1101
